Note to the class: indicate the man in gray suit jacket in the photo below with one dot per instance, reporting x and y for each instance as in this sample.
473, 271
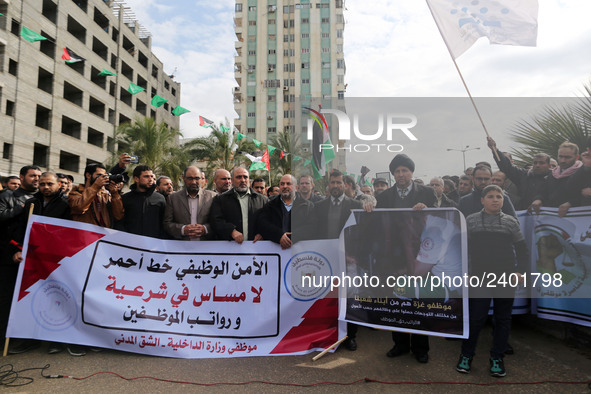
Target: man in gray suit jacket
187, 211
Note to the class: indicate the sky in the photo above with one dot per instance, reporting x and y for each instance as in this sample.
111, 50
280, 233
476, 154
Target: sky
401, 55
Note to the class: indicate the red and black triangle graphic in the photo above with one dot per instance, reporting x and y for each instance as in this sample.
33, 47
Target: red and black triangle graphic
48, 245
319, 329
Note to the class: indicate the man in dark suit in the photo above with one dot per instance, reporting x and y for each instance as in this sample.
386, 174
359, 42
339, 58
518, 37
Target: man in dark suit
281, 214
233, 213
187, 211
407, 194
331, 215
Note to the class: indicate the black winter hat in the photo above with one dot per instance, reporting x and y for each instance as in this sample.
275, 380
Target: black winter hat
402, 160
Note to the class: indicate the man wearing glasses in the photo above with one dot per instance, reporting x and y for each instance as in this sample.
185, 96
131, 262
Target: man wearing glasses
187, 211
471, 203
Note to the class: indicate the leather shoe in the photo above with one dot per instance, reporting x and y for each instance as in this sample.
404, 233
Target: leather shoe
351, 344
422, 358
397, 351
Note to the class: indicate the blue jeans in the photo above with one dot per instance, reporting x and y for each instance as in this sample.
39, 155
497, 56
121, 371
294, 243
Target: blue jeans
502, 309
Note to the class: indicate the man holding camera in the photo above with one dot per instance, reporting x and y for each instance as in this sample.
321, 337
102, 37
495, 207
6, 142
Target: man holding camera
97, 201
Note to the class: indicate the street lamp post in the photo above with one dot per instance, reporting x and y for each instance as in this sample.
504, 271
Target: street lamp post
464, 150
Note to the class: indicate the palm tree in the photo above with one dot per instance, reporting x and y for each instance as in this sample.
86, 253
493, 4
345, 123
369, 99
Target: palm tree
156, 145
220, 149
290, 144
546, 131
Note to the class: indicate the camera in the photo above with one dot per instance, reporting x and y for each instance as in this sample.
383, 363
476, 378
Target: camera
117, 178
134, 159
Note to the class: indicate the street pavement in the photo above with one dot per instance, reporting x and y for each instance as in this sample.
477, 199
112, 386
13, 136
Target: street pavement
537, 357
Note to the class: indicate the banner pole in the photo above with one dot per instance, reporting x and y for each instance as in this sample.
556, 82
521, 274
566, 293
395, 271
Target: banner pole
328, 349
462, 78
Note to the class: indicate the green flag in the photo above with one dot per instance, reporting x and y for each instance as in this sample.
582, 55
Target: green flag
271, 149
224, 128
31, 36
257, 143
296, 158
239, 137
307, 162
106, 73
258, 165
134, 89
178, 110
157, 101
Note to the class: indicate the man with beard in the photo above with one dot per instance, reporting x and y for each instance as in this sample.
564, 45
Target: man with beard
222, 180
379, 185
350, 186
62, 181
144, 209
13, 182
471, 203
233, 213
97, 201
12, 204
164, 186
187, 214
579, 185
555, 192
276, 221
306, 189
331, 214
466, 185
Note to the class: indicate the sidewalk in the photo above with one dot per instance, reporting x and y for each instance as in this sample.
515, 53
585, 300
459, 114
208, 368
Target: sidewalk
537, 358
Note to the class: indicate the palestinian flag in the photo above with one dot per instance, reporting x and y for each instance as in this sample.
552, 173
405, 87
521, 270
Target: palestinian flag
261, 163
70, 57
204, 122
320, 142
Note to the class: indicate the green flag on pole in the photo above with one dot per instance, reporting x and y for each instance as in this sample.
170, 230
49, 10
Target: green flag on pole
31, 36
224, 128
239, 136
271, 149
296, 158
106, 73
178, 110
257, 143
307, 162
134, 89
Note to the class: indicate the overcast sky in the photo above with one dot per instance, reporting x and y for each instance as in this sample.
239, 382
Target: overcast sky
401, 55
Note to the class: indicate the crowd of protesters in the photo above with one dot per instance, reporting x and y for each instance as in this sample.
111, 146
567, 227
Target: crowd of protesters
238, 209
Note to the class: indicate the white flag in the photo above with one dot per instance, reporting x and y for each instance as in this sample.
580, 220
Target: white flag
505, 22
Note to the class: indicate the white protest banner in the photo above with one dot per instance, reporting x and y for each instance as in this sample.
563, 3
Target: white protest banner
93, 286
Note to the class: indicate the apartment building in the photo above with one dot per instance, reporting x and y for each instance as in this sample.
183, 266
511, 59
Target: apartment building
62, 116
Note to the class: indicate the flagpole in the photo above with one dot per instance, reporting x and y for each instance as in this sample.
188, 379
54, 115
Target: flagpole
462, 78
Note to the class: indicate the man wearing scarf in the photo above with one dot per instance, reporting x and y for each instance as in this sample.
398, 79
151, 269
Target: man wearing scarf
554, 192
